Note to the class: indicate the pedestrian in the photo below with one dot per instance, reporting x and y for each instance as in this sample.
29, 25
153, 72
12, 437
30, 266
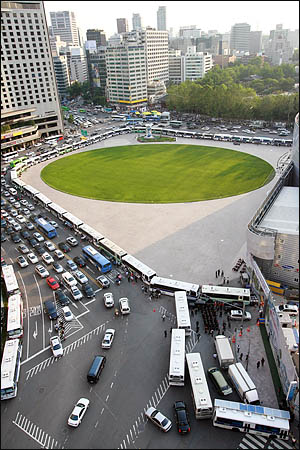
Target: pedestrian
136, 278
215, 356
247, 356
126, 273
238, 349
222, 273
166, 334
128, 278
262, 361
198, 335
197, 323
192, 313
143, 288
258, 364
241, 356
163, 317
227, 280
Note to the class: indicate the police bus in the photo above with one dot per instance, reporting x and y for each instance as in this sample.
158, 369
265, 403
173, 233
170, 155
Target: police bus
177, 355
182, 312
225, 294
139, 268
200, 393
15, 316
10, 280
112, 249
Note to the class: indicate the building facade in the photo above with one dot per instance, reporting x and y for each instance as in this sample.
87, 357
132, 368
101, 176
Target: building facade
96, 35
162, 18
175, 67
28, 87
279, 48
136, 22
157, 54
63, 24
239, 37
62, 74
196, 64
122, 26
255, 42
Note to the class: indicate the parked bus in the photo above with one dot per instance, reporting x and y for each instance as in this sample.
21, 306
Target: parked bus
182, 312
98, 260
268, 422
57, 210
15, 317
17, 161
200, 393
10, 368
169, 286
143, 271
57, 137
73, 220
177, 358
222, 293
45, 227
42, 200
112, 250
10, 280
8, 157
175, 123
30, 191
91, 234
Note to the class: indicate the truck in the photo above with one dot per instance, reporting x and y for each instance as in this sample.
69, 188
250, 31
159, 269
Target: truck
243, 384
224, 351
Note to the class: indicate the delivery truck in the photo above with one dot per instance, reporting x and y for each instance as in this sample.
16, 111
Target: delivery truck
243, 384
224, 351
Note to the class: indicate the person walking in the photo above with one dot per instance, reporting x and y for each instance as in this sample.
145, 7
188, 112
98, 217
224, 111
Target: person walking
222, 273
241, 356
238, 349
163, 317
166, 333
258, 364
262, 361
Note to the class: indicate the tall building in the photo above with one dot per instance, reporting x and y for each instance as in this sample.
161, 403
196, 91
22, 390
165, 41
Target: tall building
28, 85
162, 18
62, 74
196, 64
96, 66
239, 37
122, 25
175, 66
77, 64
279, 49
64, 25
96, 35
255, 42
190, 31
136, 22
157, 54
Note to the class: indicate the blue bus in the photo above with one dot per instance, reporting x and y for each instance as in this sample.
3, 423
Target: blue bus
45, 227
92, 255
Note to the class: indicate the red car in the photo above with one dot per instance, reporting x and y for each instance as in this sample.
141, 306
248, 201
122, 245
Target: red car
52, 283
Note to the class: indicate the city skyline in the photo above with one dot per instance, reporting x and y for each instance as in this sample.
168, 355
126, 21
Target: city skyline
257, 14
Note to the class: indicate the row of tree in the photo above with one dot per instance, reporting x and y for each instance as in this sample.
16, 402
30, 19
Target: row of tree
84, 90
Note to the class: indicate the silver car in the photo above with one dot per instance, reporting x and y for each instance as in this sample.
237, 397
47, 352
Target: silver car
158, 419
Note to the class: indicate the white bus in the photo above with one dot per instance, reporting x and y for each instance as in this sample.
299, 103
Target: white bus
139, 268
91, 234
31, 191
182, 312
8, 157
223, 293
10, 368
73, 220
15, 317
57, 210
10, 280
42, 200
251, 419
177, 357
57, 137
112, 249
200, 393
169, 286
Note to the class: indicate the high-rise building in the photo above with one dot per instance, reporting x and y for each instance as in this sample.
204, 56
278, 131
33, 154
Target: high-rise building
28, 85
136, 22
196, 64
157, 54
122, 26
279, 49
64, 25
239, 37
175, 66
190, 31
162, 18
96, 66
62, 74
77, 64
255, 42
96, 35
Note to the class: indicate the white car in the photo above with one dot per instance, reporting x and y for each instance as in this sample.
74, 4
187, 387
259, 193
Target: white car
238, 315
38, 237
42, 271
4, 213
68, 315
53, 223
22, 261
21, 219
158, 419
49, 246
32, 258
78, 412
56, 346
292, 310
16, 226
108, 299
80, 277
69, 279
47, 258
108, 338
76, 293
124, 305
57, 267
59, 254
24, 202
72, 241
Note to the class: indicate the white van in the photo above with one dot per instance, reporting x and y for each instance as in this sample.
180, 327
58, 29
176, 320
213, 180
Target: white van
69, 279
12, 191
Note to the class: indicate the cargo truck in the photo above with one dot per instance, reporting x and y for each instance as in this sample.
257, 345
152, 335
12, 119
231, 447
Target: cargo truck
243, 384
224, 351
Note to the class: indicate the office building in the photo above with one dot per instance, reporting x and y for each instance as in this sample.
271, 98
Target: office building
122, 26
157, 54
28, 85
279, 49
239, 37
96, 63
63, 24
189, 32
62, 74
175, 67
162, 18
96, 35
136, 22
196, 64
77, 64
255, 42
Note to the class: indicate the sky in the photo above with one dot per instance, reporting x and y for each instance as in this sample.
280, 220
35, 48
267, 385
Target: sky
207, 15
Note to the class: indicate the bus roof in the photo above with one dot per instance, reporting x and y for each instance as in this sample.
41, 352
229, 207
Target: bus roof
138, 265
14, 319
198, 381
174, 283
111, 246
177, 352
74, 220
182, 309
10, 279
43, 198
31, 189
89, 230
56, 208
208, 289
8, 364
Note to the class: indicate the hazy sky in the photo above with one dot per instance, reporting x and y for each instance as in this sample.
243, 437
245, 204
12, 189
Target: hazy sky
207, 15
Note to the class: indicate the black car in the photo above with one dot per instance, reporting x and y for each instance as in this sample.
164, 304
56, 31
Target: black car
3, 237
40, 250
61, 297
64, 247
88, 291
182, 417
9, 230
79, 261
50, 309
33, 242
16, 238
25, 234
3, 223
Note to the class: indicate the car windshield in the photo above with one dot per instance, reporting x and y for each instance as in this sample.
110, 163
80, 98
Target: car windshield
74, 417
164, 422
56, 347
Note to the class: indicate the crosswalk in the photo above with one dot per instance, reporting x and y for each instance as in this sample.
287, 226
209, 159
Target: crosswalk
255, 442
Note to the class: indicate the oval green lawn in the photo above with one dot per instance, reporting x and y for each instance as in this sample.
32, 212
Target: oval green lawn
158, 173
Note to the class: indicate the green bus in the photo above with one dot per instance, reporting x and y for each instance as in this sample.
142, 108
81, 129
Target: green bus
17, 161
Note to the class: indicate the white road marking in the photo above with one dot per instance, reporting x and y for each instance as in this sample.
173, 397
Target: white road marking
27, 313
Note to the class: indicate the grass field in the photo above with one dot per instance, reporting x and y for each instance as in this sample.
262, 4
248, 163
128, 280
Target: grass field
158, 173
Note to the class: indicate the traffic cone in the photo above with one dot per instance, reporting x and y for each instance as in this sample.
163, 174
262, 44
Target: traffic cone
257, 322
